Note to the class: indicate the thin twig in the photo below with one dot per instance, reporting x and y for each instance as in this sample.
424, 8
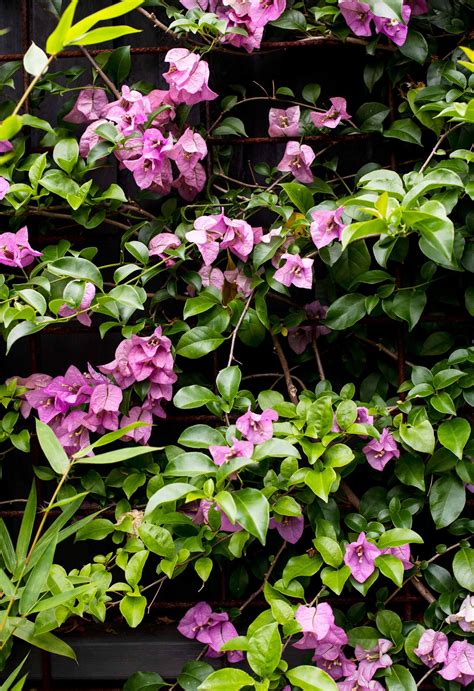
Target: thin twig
437, 145
265, 578
151, 16
423, 590
426, 675
236, 330
317, 356
101, 73
292, 392
383, 349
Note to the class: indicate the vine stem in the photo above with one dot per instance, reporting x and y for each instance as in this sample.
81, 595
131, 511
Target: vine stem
426, 675
286, 370
32, 85
151, 16
317, 356
438, 144
236, 330
350, 494
101, 73
267, 575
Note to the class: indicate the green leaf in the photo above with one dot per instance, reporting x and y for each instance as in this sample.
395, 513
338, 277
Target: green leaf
76, 267
11, 126
52, 449
415, 47
419, 437
134, 568
193, 674
228, 679
320, 482
133, 609
117, 456
203, 567
405, 130
391, 567
345, 311
463, 568
95, 530
398, 536
265, 649
311, 93
365, 636
454, 435
228, 382
411, 471
35, 60
57, 40
389, 624
144, 681
447, 500
108, 33
275, 448
157, 539
329, 550
299, 195
27, 524
6, 548
25, 631
190, 464
37, 578
198, 342
172, 492
310, 678
335, 579
409, 305
363, 229
200, 436
291, 19
66, 154
110, 12
193, 396
252, 512
400, 679
230, 125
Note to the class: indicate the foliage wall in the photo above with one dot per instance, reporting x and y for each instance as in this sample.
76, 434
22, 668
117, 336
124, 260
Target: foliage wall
281, 273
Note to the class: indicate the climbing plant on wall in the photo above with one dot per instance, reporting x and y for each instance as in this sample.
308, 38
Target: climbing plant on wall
310, 311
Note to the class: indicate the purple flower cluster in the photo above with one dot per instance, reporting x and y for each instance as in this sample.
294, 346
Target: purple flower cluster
79, 403
249, 15
359, 18
217, 232
15, 249
211, 628
457, 659
360, 557
151, 144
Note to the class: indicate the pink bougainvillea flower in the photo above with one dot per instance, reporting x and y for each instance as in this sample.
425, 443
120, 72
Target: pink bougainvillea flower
239, 238
360, 556
5, 146
198, 619
357, 682
459, 665
316, 623
188, 150
257, 428
153, 166
162, 242
396, 31
187, 77
192, 183
223, 454
141, 357
106, 397
79, 312
465, 617
69, 390
432, 648
290, 528
337, 667
44, 404
216, 636
362, 418
297, 160
379, 453
237, 278
72, 431
90, 138
375, 658
301, 337
284, 122
202, 516
327, 226
33, 381
88, 106
140, 435
332, 117
402, 552
211, 276
358, 16
4, 187
418, 7
208, 231
261, 13
295, 271
15, 249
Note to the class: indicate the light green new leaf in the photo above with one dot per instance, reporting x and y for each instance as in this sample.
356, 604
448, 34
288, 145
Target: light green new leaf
310, 678
228, 679
57, 40
265, 649
253, 512
454, 435
35, 60
25, 630
107, 33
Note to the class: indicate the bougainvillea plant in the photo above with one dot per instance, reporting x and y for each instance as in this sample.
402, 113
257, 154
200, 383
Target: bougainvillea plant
311, 310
